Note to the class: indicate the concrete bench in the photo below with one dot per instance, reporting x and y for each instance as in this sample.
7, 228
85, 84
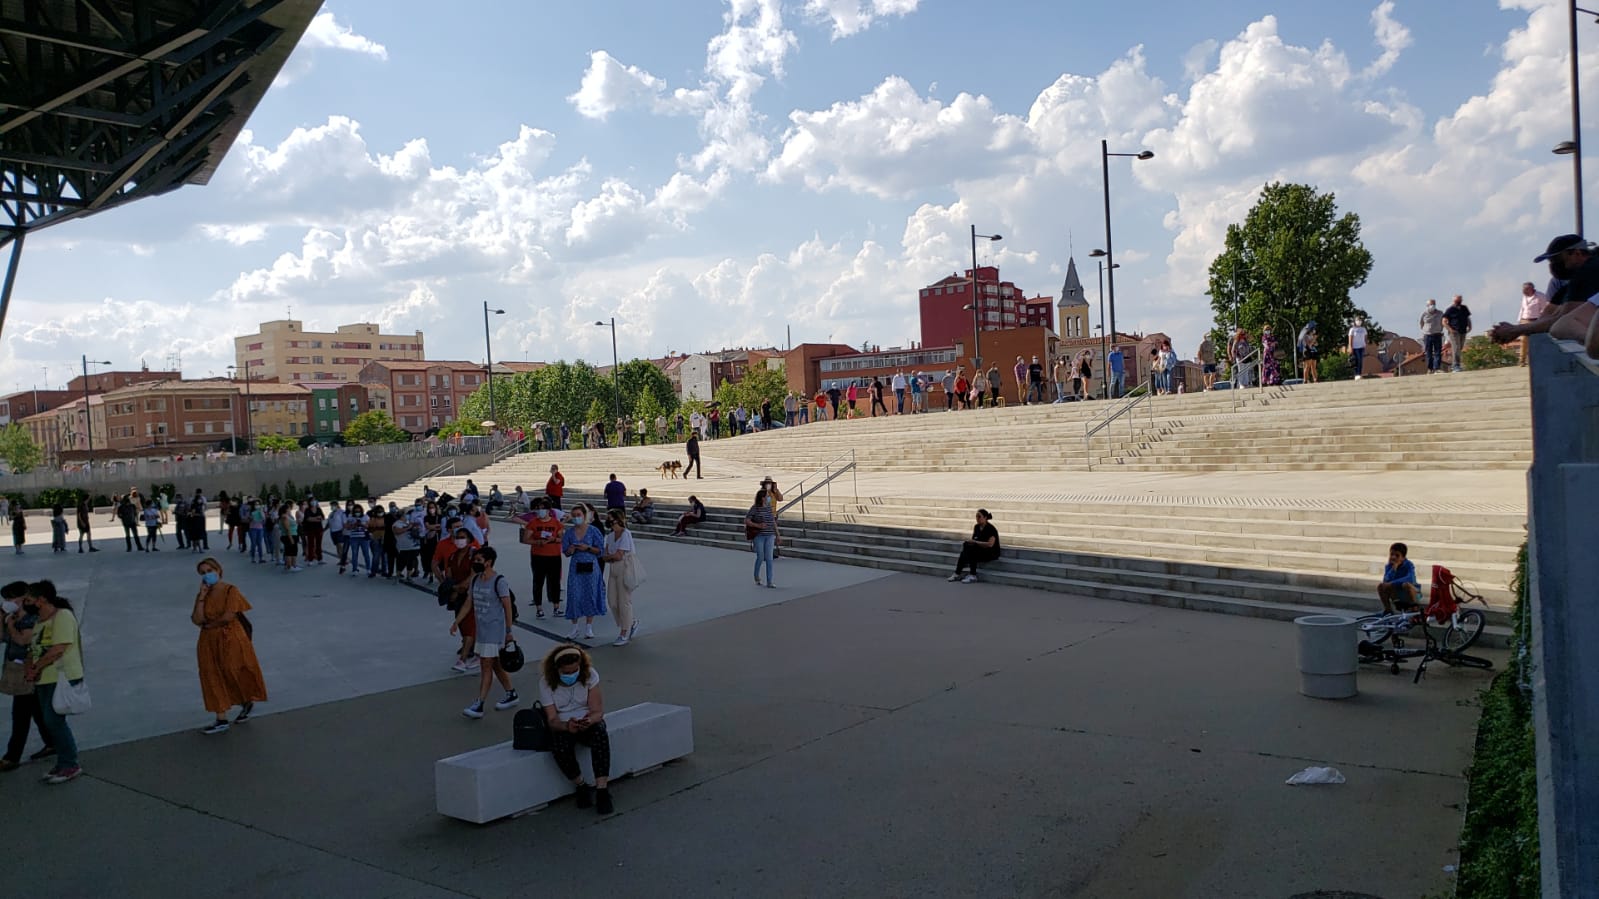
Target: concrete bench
488, 784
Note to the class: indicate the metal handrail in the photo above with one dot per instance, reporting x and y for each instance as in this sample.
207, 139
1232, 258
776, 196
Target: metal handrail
1237, 393
829, 474
1110, 415
446, 468
510, 449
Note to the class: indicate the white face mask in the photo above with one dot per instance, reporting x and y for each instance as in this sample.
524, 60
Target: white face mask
460, 542
543, 513
577, 521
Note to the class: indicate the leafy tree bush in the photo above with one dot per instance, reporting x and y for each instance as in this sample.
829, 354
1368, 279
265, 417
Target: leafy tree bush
358, 489
18, 450
276, 443
759, 383
1335, 367
1480, 353
374, 427
1292, 260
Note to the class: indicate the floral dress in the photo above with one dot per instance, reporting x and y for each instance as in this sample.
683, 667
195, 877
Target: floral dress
1269, 373
585, 589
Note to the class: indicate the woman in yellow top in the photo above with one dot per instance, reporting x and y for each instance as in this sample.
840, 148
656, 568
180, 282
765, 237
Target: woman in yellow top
55, 655
229, 673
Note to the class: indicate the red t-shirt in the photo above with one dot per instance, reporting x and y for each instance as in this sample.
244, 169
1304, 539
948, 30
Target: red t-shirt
546, 534
555, 485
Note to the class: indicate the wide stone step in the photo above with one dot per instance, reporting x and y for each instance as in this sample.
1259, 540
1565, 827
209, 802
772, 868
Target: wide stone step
1007, 572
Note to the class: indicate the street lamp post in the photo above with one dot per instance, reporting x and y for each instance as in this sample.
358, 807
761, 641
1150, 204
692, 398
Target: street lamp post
88, 416
249, 419
977, 323
1573, 147
616, 366
488, 359
1104, 353
1104, 168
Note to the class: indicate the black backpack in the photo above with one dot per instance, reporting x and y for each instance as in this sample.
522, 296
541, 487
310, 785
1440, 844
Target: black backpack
530, 730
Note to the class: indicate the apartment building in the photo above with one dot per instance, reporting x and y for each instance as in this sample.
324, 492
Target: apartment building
23, 403
331, 409
284, 351
421, 395
279, 409
170, 417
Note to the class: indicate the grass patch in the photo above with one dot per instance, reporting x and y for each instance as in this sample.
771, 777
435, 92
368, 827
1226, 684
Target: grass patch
1499, 840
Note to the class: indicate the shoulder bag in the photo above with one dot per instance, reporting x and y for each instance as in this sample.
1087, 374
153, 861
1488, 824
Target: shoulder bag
633, 572
73, 698
12, 680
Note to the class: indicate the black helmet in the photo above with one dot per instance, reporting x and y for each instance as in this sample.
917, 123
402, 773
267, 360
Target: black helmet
511, 658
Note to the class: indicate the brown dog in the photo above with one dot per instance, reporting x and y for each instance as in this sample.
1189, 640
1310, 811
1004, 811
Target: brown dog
669, 468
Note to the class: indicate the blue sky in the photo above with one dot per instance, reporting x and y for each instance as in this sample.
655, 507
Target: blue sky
715, 172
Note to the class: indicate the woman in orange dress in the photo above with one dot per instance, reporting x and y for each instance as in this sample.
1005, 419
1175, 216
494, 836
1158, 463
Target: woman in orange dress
229, 673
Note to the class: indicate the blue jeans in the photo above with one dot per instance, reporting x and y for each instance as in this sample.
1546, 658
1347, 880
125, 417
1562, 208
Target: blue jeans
359, 547
899, 400
60, 731
380, 559
1359, 360
1118, 384
255, 544
1433, 346
764, 544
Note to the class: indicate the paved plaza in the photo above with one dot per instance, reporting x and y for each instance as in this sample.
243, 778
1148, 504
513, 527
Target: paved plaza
856, 734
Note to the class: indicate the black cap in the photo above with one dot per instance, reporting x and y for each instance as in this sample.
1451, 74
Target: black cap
1563, 243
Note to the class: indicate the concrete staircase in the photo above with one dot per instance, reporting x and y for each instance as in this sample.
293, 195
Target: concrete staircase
1198, 543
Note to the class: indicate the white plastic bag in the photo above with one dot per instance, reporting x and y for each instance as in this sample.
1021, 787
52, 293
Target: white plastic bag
70, 698
1316, 776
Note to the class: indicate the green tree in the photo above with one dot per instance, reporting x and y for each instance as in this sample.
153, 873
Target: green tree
1480, 352
374, 427
506, 413
1293, 260
759, 383
273, 443
641, 378
18, 450
599, 411
467, 424
1335, 367
648, 408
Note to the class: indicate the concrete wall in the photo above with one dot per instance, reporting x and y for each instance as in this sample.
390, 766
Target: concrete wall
1563, 492
381, 476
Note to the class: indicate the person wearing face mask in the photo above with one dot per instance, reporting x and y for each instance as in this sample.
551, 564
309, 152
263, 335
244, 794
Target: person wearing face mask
431, 529
335, 526
357, 539
255, 520
20, 617
491, 607
542, 534
453, 566
54, 657
1432, 336
230, 675
569, 688
1573, 292
585, 582
311, 532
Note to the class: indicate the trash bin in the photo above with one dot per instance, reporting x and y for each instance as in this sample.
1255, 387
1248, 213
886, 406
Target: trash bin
1327, 656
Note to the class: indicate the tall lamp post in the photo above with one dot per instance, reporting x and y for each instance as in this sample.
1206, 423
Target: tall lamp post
977, 323
488, 359
1104, 352
616, 366
1104, 167
1573, 147
88, 414
249, 418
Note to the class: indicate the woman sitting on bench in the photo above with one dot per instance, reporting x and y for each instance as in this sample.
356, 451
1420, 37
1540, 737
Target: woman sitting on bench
982, 547
569, 687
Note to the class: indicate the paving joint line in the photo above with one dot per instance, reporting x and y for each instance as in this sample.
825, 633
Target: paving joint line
320, 850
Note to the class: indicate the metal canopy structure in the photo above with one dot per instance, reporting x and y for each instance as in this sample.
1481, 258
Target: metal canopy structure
103, 102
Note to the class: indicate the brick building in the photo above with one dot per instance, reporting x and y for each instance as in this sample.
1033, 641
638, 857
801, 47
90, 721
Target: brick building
802, 364
284, 351
45, 433
945, 320
23, 403
278, 409
166, 417
701, 373
420, 395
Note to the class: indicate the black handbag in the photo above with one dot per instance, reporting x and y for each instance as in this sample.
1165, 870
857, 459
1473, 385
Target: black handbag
530, 730
583, 567
511, 657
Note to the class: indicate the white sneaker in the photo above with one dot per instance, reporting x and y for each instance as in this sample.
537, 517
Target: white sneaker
953, 578
588, 632
576, 632
969, 579
620, 641
632, 629
508, 702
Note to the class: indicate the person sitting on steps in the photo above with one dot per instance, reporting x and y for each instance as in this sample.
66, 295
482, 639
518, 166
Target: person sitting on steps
982, 547
1399, 590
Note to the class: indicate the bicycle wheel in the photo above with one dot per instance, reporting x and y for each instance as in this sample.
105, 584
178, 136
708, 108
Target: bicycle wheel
1464, 630
1374, 629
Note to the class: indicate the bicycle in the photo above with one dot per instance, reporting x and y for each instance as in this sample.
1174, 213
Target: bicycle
1462, 627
